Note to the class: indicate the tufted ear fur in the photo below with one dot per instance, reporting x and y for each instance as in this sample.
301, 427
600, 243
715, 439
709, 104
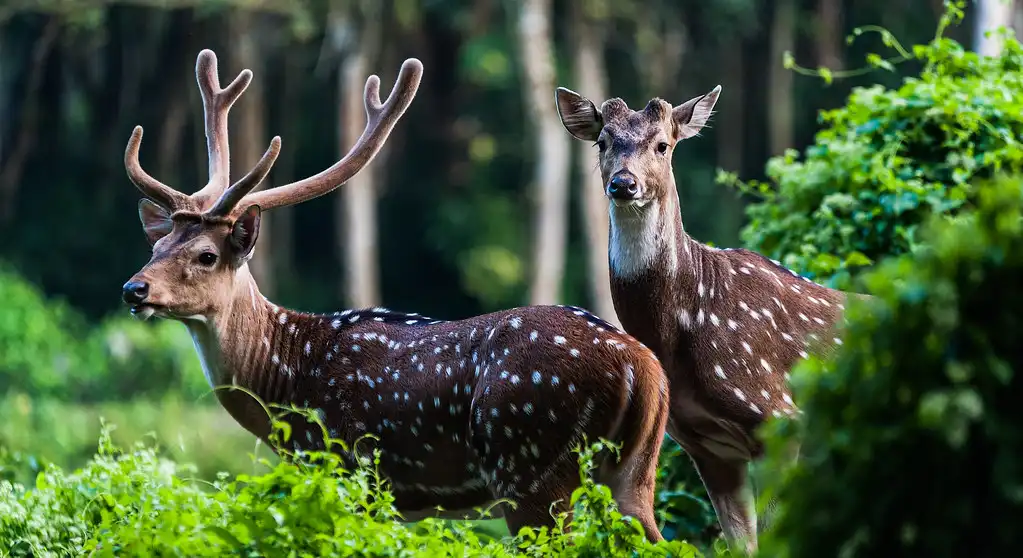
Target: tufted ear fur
244, 233
691, 116
578, 114
156, 221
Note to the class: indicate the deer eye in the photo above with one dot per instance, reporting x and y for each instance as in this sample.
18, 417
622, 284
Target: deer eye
662, 148
601, 145
207, 258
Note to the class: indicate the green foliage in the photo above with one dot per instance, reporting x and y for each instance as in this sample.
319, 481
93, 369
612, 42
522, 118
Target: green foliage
38, 352
912, 442
136, 503
683, 508
141, 360
890, 158
48, 350
36, 432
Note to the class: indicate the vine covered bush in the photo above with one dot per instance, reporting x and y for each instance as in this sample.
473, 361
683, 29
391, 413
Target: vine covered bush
912, 440
889, 158
126, 503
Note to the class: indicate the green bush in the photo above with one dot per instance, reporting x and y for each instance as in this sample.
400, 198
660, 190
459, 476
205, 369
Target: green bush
36, 432
890, 158
912, 438
49, 350
135, 503
38, 352
141, 360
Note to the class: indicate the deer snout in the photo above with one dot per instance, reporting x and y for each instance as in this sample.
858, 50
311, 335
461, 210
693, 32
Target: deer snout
135, 292
623, 186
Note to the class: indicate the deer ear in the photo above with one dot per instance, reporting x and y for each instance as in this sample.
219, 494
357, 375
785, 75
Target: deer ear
244, 233
578, 114
692, 115
156, 221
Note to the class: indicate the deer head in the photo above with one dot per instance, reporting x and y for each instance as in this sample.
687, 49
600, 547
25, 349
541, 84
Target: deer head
634, 147
202, 242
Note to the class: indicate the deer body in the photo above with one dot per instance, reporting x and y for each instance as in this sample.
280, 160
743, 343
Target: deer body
727, 324
463, 412
490, 394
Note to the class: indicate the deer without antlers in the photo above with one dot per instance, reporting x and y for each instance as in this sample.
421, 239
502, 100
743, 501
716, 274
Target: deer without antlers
465, 411
727, 324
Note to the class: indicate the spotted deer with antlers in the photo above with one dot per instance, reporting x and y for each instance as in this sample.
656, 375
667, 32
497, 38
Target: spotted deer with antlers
465, 412
728, 324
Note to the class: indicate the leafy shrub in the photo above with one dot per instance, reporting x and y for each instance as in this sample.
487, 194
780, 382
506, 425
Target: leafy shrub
44, 352
35, 432
889, 158
912, 441
127, 503
38, 352
141, 359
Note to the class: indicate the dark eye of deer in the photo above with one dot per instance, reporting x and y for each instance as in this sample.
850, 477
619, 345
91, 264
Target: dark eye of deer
662, 148
207, 258
601, 145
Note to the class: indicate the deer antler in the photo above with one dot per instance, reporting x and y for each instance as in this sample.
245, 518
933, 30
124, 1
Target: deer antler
216, 103
152, 188
381, 118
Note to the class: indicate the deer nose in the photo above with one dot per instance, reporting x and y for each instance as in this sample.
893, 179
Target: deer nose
135, 292
623, 187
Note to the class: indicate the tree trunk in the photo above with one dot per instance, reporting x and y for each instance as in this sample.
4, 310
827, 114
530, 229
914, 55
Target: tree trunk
552, 146
172, 131
284, 170
356, 205
591, 79
250, 133
730, 132
28, 129
780, 102
1017, 20
828, 41
989, 16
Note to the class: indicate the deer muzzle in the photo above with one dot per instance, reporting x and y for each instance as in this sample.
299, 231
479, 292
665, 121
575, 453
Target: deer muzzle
623, 189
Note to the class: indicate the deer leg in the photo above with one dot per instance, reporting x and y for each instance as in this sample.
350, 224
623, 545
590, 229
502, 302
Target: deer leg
541, 502
727, 484
632, 486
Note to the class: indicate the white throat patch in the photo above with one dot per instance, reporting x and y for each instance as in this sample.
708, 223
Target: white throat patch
636, 239
207, 347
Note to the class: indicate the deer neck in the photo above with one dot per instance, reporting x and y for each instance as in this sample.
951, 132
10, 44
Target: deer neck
236, 347
657, 270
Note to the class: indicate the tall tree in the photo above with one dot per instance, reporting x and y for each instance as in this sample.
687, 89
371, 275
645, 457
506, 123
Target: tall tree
591, 80
828, 33
249, 139
989, 16
780, 103
353, 34
550, 181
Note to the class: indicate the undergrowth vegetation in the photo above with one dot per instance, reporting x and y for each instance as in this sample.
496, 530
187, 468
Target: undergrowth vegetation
135, 503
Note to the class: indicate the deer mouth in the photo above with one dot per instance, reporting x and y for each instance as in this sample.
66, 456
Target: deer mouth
145, 311
635, 202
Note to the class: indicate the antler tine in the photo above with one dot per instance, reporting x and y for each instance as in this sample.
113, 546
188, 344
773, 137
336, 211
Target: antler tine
381, 118
216, 104
230, 198
152, 188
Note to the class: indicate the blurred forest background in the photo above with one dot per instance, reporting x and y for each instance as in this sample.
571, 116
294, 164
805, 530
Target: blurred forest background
479, 201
